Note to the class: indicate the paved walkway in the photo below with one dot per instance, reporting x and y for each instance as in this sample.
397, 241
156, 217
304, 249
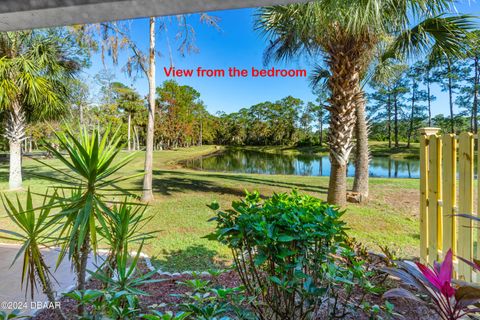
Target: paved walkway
11, 294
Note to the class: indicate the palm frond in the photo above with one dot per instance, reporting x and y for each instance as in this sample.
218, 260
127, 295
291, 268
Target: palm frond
444, 34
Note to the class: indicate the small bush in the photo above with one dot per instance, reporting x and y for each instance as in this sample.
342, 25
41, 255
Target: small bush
285, 250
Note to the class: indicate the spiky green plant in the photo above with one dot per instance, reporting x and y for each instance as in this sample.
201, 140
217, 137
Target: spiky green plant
93, 184
125, 227
35, 227
125, 280
125, 276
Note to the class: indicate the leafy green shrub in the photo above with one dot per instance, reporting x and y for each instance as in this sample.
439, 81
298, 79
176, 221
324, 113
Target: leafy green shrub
208, 299
205, 301
285, 250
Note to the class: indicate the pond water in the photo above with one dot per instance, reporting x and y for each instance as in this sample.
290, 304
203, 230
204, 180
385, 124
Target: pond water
248, 161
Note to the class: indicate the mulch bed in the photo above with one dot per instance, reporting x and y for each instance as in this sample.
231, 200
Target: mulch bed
160, 293
161, 297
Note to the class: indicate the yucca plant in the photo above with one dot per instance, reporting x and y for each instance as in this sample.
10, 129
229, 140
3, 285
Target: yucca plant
125, 227
91, 162
125, 277
124, 281
35, 227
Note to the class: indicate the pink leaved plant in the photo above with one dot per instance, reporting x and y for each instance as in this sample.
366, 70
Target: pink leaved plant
441, 275
450, 300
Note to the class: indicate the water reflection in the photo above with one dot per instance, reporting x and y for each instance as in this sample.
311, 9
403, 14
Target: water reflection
247, 161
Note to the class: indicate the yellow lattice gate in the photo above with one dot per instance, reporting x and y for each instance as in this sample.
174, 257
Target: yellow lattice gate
446, 189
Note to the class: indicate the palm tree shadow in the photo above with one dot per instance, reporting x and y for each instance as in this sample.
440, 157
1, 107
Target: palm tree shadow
180, 183
272, 183
193, 258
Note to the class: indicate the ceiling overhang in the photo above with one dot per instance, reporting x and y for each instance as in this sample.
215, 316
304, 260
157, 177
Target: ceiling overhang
30, 14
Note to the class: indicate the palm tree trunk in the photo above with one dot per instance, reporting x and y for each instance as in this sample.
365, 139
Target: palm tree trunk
389, 120
137, 137
362, 155
450, 97
15, 133
429, 101
475, 94
320, 124
346, 94
410, 129
201, 133
148, 179
80, 108
395, 119
129, 131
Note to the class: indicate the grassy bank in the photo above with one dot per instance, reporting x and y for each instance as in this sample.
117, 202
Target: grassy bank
180, 210
377, 149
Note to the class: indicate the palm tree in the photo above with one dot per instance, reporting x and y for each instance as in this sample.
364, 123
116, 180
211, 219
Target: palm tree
347, 34
319, 79
34, 74
130, 103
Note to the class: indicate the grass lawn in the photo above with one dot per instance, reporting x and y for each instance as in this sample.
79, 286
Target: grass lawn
180, 212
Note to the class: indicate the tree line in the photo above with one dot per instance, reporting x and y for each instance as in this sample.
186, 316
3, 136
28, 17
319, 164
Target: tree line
183, 120
402, 102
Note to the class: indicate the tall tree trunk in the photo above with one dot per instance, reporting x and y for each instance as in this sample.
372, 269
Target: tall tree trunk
429, 102
362, 155
320, 124
80, 108
201, 133
15, 133
344, 84
410, 129
395, 119
148, 179
450, 97
129, 129
389, 120
137, 138
475, 94
134, 139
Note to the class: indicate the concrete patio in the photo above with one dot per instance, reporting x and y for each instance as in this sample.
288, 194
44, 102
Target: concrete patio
11, 293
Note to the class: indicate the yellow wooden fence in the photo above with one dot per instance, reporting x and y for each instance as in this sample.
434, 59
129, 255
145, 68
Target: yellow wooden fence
445, 192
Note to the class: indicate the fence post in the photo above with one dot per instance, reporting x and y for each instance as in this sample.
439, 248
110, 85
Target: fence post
465, 204
449, 193
434, 198
424, 159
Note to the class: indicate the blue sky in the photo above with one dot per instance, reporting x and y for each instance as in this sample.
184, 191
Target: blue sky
237, 44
